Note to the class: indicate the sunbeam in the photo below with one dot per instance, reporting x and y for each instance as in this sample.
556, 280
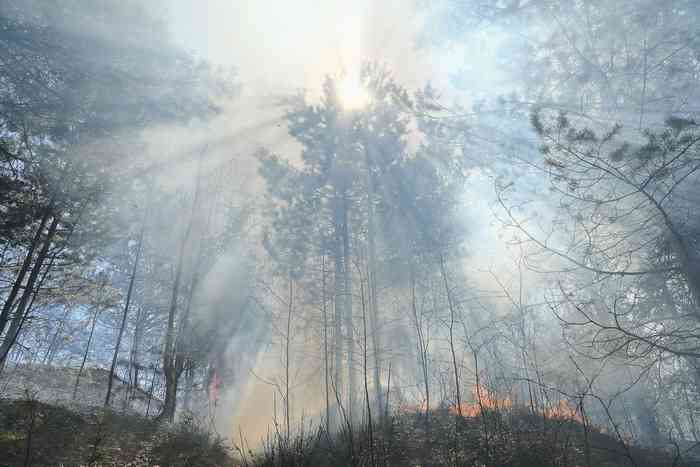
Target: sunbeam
272, 232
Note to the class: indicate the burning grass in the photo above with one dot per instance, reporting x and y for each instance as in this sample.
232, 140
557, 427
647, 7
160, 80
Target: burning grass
495, 435
484, 401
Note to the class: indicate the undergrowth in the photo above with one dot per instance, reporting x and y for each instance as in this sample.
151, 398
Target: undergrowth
38, 434
494, 439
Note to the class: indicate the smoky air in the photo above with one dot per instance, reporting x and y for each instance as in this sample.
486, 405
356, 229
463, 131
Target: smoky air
399, 233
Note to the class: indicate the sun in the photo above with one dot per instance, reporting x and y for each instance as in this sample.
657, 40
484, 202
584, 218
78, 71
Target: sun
353, 95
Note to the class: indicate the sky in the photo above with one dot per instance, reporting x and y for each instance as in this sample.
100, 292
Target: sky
279, 46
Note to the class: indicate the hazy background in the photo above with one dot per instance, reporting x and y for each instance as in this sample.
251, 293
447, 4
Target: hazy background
281, 47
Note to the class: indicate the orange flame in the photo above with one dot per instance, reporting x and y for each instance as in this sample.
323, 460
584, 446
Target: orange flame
562, 410
486, 400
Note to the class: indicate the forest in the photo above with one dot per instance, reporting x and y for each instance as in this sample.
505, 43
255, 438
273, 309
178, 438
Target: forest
299, 233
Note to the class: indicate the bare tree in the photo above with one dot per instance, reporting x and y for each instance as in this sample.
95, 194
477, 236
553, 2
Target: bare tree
97, 308
125, 314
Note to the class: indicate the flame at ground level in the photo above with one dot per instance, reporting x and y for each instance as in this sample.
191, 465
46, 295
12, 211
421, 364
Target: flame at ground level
484, 400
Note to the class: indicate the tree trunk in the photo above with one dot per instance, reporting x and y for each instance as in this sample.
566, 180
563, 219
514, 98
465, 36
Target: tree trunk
287, 402
17, 284
51, 350
170, 357
27, 294
453, 352
3, 360
150, 390
134, 354
422, 346
189, 384
173, 357
168, 411
325, 341
365, 378
372, 284
348, 309
87, 350
338, 307
189, 372
124, 316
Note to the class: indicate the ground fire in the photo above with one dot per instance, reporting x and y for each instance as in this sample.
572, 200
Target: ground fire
484, 400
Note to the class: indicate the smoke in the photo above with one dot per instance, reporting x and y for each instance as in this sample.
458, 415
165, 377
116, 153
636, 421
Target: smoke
273, 50
278, 48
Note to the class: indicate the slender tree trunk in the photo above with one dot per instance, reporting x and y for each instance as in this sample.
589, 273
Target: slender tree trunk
173, 358
87, 350
150, 390
134, 354
348, 309
453, 352
30, 292
338, 307
325, 342
3, 359
364, 374
169, 352
423, 357
51, 349
189, 372
26, 264
290, 309
422, 346
189, 385
124, 316
372, 283
27, 294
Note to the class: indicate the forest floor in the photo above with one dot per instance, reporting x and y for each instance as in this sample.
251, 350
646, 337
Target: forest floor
56, 385
39, 434
509, 438
33, 433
